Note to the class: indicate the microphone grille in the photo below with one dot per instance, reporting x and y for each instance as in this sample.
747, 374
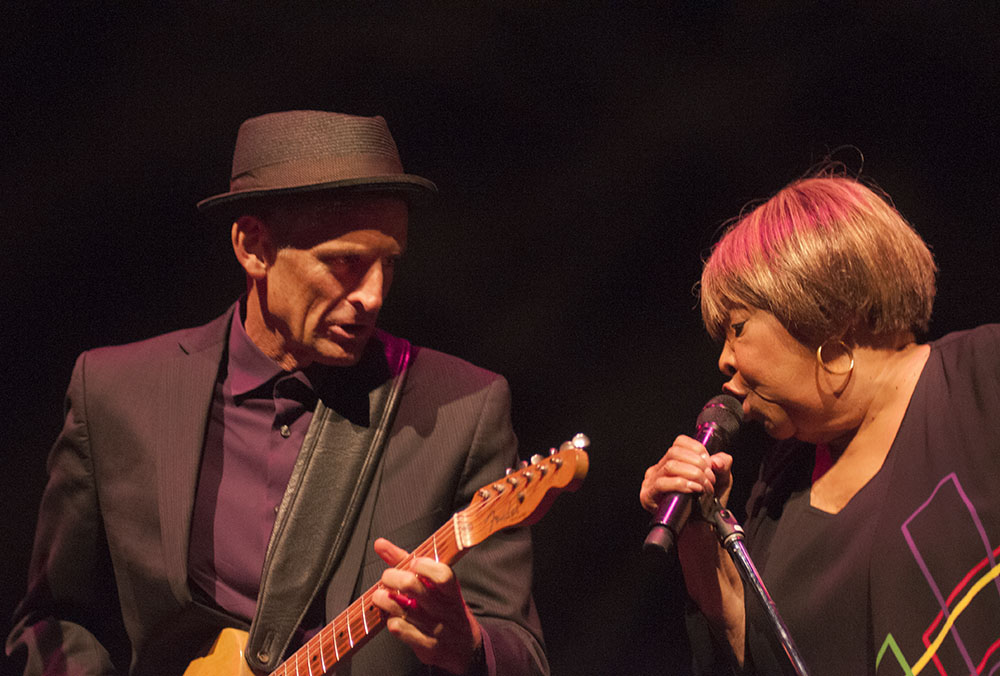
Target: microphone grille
725, 411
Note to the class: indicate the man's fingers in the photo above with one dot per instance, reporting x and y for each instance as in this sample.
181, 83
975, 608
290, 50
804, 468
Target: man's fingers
389, 552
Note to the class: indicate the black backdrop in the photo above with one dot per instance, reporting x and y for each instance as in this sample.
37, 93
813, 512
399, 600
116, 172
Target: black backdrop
586, 154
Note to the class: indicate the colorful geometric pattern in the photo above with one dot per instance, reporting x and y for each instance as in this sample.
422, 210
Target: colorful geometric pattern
979, 585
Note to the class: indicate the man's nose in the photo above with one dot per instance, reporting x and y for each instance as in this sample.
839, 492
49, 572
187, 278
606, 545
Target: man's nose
371, 288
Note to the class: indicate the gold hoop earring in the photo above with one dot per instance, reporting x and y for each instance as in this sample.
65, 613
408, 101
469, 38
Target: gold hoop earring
823, 364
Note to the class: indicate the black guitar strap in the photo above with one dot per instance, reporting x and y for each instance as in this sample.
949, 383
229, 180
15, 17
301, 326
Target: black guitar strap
325, 493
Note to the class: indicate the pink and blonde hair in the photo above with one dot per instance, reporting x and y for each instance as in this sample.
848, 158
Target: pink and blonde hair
828, 257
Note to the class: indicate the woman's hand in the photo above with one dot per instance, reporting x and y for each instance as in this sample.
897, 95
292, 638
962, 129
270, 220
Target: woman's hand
687, 467
711, 578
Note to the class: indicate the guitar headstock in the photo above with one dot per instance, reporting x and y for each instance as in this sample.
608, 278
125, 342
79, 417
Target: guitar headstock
524, 495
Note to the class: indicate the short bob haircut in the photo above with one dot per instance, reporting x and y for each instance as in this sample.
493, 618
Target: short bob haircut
829, 258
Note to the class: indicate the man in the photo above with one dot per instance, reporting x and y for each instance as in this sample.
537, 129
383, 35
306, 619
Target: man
261, 470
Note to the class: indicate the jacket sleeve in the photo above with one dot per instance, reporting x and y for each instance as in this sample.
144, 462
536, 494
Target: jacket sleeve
496, 575
70, 615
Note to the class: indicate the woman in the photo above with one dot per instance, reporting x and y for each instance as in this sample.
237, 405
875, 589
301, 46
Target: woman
875, 520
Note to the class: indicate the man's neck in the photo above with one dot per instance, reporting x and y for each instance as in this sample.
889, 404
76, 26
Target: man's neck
270, 341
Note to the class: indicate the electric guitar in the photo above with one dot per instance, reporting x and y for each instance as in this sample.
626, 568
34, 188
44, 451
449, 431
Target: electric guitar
521, 498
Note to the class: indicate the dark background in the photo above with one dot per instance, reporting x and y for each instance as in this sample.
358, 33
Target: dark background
586, 154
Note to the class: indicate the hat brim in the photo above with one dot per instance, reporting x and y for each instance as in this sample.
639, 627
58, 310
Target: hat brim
414, 189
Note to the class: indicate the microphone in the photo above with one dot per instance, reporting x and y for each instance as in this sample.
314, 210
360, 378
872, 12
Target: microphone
718, 422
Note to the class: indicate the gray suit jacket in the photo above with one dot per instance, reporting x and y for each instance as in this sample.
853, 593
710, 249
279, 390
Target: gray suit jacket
108, 578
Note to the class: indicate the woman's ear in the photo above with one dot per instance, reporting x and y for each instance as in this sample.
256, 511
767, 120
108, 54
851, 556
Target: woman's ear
253, 246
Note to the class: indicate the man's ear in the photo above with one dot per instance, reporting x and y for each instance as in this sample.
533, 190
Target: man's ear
253, 246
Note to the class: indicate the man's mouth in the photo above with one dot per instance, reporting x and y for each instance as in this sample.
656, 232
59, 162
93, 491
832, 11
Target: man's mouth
351, 331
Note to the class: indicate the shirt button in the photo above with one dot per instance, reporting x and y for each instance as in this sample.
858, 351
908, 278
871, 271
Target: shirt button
284, 431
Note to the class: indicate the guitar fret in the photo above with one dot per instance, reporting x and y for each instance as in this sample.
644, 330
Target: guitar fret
377, 615
309, 659
335, 647
350, 638
315, 644
458, 535
324, 649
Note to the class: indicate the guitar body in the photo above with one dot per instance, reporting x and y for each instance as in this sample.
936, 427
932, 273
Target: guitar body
225, 658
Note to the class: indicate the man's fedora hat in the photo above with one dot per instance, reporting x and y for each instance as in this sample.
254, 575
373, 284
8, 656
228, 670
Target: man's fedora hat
308, 150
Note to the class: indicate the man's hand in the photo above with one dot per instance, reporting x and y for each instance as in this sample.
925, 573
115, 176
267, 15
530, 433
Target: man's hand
425, 610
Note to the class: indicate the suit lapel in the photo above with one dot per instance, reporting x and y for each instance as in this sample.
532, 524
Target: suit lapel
181, 400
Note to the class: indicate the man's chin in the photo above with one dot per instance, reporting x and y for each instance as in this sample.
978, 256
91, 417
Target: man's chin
337, 354
338, 362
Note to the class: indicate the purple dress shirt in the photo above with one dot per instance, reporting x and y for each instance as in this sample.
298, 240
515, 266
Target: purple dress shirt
256, 427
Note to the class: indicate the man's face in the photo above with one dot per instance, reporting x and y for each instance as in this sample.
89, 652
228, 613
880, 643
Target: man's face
327, 280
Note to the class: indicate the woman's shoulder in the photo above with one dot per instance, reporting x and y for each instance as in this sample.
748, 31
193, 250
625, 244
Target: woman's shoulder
986, 335
963, 374
971, 350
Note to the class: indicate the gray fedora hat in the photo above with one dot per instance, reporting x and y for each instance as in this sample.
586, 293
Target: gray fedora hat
309, 150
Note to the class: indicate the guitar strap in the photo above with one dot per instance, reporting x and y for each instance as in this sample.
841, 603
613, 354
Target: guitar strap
325, 494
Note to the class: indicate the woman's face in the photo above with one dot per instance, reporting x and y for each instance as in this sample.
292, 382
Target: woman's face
776, 376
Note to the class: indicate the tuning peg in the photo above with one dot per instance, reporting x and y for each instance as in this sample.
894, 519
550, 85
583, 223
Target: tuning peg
524, 463
508, 470
578, 441
536, 461
553, 450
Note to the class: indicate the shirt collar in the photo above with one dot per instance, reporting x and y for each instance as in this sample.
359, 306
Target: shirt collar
249, 368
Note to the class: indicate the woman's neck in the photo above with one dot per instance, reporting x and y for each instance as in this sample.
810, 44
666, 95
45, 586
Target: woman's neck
888, 378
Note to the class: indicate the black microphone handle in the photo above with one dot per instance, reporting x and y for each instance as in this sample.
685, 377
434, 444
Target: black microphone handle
675, 508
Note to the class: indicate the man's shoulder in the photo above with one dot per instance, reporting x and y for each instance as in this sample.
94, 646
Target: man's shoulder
166, 345
429, 365
433, 360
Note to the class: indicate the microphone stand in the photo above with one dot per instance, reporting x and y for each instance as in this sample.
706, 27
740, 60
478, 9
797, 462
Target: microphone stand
730, 534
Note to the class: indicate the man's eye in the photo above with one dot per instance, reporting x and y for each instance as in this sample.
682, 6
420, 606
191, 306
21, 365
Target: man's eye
347, 260
738, 328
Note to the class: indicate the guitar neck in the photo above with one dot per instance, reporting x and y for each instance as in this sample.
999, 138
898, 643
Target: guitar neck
362, 619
